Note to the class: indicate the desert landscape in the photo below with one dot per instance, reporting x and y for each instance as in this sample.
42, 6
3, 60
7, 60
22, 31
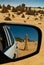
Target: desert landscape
21, 14
26, 46
25, 15
32, 47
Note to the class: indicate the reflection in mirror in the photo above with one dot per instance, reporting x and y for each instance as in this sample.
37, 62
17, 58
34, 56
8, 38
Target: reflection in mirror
17, 41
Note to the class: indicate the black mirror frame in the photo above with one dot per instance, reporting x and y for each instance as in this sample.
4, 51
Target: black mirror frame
5, 59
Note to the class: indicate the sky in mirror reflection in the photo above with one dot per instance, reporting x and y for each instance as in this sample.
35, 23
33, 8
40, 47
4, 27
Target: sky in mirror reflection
21, 31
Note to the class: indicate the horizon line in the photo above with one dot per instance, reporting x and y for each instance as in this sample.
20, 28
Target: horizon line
25, 5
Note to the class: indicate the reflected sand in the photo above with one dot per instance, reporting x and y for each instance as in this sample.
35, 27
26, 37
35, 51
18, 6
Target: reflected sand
32, 47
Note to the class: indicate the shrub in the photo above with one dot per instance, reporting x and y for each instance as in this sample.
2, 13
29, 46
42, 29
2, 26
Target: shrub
41, 11
24, 21
8, 7
19, 39
13, 16
31, 12
20, 8
23, 16
27, 17
40, 17
14, 9
39, 23
4, 9
36, 18
9, 14
23, 5
35, 12
0, 6
19, 12
7, 19
39, 7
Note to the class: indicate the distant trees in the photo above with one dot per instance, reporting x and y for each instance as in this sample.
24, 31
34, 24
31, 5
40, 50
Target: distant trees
41, 11
4, 9
23, 5
31, 12
19, 39
14, 9
0, 6
20, 9
39, 7
8, 7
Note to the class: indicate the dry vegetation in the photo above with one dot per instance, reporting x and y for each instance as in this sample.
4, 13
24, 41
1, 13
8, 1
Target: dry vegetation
4, 9
23, 11
0, 6
8, 7
27, 17
23, 16
40, 17
7, 18
20, 9
24, 21
36, 18
13, 16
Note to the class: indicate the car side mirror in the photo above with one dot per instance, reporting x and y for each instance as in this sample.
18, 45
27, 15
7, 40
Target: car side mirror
18, 41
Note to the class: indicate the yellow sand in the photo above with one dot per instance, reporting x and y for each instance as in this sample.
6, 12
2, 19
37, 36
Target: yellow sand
39, 58
32, 47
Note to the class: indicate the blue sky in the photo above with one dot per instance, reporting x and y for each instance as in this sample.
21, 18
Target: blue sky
21, 31
33, 3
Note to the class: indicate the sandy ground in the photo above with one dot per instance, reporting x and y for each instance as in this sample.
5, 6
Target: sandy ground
39, 58
32, 47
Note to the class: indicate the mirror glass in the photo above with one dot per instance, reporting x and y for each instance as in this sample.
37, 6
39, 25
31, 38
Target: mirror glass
18, 41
